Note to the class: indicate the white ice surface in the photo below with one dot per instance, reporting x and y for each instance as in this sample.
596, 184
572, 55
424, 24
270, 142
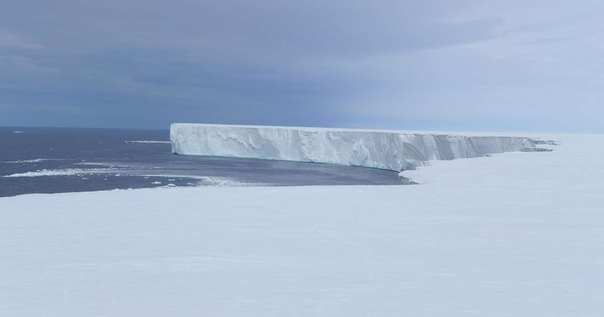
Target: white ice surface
63, 172
517, 234
30, 161
392, 150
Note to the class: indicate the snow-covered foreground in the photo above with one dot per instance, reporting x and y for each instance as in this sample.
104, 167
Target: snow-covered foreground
517, 234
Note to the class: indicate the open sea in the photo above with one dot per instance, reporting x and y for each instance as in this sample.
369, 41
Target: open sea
58, 160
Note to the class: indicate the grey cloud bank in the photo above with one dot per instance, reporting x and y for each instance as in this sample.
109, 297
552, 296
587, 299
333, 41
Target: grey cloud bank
462, 65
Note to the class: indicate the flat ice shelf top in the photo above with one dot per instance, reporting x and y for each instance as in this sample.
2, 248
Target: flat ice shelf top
392, 150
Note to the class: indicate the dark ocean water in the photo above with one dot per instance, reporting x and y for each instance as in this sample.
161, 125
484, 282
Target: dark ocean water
56, 160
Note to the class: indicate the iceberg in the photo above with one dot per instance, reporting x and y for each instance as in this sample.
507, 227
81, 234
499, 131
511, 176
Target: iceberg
391, 150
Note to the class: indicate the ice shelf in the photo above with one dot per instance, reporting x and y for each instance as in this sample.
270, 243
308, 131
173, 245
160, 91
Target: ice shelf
389, 150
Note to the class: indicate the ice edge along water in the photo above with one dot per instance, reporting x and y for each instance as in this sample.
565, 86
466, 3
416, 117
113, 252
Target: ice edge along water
390, 150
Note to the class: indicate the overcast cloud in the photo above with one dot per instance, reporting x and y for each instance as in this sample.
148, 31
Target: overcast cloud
436, 64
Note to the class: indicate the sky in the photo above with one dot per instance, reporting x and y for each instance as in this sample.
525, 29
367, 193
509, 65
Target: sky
473, 65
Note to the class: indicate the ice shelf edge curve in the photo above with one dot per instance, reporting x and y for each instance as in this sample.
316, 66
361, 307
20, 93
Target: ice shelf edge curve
389, 150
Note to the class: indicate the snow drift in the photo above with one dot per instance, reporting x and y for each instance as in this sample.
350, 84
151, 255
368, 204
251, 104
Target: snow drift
377, 149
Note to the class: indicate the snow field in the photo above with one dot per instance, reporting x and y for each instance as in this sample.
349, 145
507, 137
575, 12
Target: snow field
516, 234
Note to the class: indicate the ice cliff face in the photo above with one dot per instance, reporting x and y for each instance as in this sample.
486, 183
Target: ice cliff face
386, 150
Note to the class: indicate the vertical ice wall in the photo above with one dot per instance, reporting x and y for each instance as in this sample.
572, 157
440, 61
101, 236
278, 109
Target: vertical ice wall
386, 150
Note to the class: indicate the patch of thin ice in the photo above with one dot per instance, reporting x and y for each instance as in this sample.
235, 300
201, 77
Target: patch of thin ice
63, 172
222, 182
30, 161
207, 180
